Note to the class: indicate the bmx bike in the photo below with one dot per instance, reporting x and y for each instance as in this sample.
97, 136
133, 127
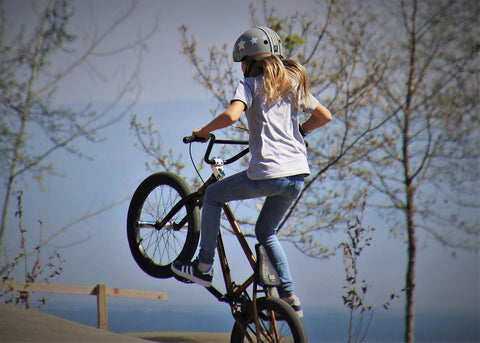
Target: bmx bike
163, 226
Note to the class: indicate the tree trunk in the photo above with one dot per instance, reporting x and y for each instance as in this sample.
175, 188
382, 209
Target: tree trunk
410, 280
409, 187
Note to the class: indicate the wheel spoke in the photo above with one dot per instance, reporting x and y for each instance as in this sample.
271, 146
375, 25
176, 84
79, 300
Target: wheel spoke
153, 247
163, 245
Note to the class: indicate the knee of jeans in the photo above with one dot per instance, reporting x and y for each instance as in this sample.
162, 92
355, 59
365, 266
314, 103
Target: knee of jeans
209, 198
263, 237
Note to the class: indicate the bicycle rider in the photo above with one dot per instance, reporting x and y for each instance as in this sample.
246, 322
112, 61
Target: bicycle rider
273, 92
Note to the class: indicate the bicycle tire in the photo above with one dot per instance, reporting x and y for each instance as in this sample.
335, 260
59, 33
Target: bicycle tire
290, 326
154, 248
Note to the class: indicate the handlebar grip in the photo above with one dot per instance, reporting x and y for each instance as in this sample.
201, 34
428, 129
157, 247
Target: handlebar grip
213, 140
190, 139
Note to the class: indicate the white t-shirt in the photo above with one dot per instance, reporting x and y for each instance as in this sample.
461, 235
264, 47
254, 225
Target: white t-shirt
276, 145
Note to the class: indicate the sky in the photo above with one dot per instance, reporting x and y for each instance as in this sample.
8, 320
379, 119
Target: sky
96, 251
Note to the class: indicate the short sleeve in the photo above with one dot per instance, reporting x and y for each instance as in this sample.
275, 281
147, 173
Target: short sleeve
309, 104
244, 93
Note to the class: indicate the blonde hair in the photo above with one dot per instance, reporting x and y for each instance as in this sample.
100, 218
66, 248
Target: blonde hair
277, 76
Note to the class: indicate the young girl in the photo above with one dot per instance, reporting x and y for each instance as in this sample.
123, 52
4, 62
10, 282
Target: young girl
273, 93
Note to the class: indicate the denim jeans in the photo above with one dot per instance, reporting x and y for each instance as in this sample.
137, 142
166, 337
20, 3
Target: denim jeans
279, 192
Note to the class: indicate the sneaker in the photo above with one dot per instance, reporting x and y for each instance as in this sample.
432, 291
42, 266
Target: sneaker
294, 302
190, 271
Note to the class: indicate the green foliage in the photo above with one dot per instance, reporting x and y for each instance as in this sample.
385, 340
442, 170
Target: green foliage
291, 41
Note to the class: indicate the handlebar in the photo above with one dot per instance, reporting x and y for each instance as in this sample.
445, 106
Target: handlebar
191, 139
213, 140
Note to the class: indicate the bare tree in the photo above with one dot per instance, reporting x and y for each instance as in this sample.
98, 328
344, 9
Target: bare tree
426, 166
29, 80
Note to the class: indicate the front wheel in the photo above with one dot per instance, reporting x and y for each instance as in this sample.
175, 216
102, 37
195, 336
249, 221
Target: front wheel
155, 242
278, 322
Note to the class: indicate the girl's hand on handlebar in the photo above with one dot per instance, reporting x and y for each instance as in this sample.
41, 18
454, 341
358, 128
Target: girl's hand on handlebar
202, 134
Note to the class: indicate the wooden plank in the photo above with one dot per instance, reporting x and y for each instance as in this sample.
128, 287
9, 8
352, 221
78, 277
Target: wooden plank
136, 293
48, 288
101, 291
86, 290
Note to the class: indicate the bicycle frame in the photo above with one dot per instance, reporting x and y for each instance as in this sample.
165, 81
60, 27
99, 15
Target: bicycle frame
231, 291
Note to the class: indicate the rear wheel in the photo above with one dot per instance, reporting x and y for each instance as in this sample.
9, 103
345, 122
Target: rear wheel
278, 322
154, 245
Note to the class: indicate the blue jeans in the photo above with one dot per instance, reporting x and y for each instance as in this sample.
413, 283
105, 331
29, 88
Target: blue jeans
279, 192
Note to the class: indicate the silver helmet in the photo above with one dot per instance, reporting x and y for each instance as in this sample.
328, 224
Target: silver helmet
260, 39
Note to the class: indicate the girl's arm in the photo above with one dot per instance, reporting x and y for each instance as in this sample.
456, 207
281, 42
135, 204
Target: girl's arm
224, 119
320, 116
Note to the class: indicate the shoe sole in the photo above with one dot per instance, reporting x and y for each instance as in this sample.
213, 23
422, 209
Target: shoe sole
190, 277
297, 307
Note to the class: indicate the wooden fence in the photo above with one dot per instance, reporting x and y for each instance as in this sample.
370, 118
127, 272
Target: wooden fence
100, 290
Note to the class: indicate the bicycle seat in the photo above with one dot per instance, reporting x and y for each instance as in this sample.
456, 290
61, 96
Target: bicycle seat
265, 272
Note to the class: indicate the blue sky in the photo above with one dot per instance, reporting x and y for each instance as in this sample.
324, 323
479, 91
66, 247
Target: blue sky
444, 283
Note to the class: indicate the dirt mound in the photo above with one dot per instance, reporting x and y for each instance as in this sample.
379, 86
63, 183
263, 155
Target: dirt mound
19, 325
